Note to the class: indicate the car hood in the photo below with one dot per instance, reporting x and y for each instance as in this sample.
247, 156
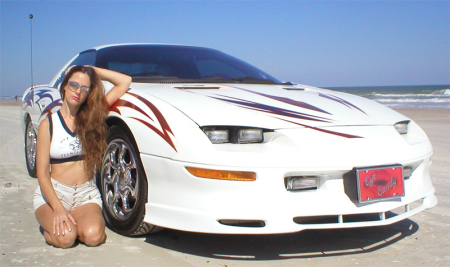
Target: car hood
270, 106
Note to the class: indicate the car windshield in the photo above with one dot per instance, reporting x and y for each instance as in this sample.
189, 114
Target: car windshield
170, 63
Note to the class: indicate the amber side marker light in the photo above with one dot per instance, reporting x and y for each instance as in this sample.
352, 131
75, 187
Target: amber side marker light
222, 175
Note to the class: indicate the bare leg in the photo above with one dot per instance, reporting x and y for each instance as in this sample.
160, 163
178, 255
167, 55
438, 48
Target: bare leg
90, 223
44, 215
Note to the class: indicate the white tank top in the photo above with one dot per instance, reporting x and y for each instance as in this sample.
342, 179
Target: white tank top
65, 145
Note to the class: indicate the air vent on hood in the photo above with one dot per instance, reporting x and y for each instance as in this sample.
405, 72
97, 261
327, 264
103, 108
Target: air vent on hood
294, 88
197, 87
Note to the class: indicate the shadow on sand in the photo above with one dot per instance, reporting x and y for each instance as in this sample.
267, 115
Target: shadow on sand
305, 244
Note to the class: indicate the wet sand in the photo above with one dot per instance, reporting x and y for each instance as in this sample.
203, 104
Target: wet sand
421, 240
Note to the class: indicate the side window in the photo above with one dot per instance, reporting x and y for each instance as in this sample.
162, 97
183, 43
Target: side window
84, 58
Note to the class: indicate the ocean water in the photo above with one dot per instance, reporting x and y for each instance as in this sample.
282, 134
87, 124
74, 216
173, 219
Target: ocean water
406, 97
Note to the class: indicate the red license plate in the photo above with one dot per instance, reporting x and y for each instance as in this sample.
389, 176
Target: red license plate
380, 183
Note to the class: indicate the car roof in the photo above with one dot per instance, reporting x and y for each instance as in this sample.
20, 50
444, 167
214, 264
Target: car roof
132, 44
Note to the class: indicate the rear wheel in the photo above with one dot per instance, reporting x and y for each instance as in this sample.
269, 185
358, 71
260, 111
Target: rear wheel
30, 148
123, 186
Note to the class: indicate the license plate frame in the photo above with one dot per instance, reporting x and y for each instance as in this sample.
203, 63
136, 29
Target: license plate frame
380, 183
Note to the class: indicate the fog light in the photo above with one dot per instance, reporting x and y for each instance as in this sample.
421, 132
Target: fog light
402, 127
407, 172
217, 136
302, 182
250, 136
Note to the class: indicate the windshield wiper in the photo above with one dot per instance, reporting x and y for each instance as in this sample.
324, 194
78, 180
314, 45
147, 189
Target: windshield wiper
153, 78
151, 75
149, 78
253, 80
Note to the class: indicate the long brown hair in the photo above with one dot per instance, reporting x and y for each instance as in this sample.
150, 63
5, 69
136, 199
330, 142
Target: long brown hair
90, 123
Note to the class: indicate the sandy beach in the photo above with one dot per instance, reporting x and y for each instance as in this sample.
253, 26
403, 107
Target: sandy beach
421, 240
10, 103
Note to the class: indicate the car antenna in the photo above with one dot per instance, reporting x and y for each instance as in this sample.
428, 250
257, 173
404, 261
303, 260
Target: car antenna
31, 34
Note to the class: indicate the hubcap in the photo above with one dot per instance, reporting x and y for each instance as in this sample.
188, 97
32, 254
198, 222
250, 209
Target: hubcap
119, 179
31, 146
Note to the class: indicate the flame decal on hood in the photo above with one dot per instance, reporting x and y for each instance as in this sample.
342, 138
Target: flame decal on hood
325, 131
161, 120
340, 101
287, 113
269, 109
286, 100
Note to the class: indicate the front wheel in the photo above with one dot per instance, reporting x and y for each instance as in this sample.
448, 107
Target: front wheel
123, 186
30, 148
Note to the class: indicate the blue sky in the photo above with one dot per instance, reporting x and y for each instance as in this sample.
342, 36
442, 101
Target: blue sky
319, 43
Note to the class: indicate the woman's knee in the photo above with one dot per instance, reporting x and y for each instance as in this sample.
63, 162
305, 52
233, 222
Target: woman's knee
64, 241
93, 235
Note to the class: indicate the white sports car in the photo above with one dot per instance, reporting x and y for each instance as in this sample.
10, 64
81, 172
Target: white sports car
205, 142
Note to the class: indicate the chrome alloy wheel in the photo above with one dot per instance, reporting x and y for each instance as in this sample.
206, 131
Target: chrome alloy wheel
120, 181
30, 148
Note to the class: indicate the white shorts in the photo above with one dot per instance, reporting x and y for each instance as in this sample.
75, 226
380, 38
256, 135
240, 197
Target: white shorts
70, 196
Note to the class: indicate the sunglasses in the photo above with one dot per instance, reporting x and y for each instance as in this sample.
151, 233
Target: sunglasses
73, 86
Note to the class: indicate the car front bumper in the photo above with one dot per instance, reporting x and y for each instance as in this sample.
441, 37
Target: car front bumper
179, 200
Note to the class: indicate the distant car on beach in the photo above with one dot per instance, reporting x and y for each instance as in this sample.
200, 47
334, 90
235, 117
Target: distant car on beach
205, 142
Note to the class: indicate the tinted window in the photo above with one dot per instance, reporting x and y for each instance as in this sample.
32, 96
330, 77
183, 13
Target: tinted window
212, 67
84, 58
175, 63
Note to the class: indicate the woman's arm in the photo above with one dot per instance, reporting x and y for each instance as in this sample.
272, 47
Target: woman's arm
120, 81
61, 215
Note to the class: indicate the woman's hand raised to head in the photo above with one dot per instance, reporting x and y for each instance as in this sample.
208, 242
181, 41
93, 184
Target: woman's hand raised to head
120, 81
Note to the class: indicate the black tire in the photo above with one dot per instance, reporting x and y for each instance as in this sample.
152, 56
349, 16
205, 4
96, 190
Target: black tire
30, 148
123, 185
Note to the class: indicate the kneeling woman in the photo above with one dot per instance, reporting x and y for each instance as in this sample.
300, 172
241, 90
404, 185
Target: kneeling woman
70, 146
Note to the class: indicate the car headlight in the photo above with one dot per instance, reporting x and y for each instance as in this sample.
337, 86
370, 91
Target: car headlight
252, 135
217, 135
233, 134
402, 127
